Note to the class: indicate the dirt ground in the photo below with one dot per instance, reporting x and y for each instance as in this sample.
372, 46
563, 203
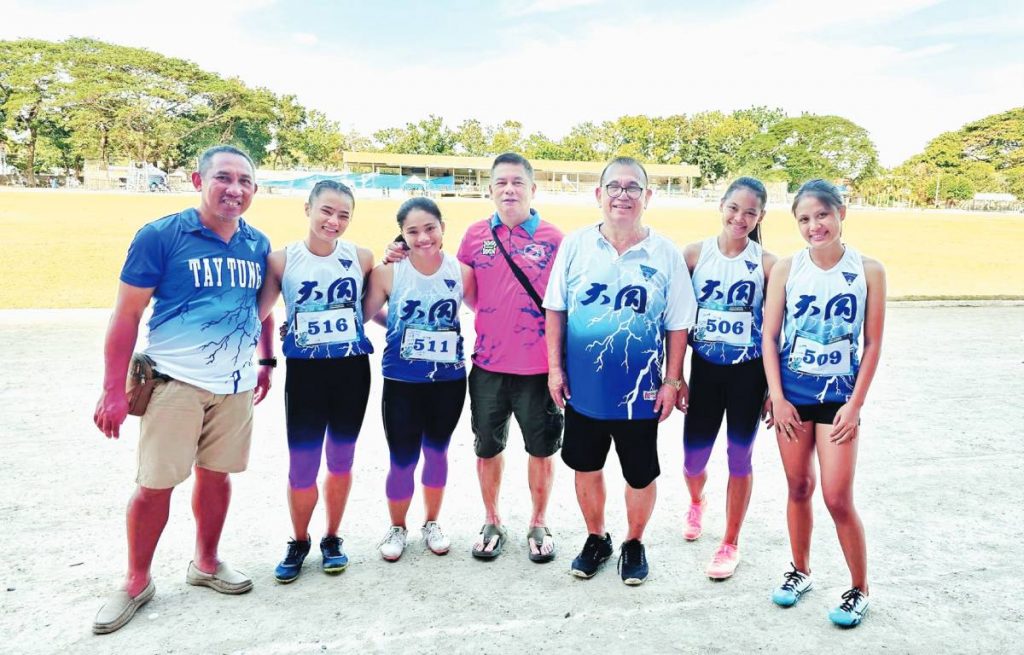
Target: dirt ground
939, 482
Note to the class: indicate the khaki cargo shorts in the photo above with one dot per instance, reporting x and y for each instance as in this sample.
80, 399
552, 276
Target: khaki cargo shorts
185, 425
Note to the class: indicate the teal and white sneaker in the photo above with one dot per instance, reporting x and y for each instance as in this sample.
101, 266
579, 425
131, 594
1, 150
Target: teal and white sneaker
851, 610
796, 584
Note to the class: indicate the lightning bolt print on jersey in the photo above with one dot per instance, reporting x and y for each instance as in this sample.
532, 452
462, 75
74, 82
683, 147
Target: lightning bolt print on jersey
618, 310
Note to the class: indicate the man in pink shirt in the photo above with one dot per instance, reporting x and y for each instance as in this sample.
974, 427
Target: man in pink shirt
509, 374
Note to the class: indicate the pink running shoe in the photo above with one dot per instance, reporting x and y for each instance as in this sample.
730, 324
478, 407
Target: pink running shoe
693, 528
724, 563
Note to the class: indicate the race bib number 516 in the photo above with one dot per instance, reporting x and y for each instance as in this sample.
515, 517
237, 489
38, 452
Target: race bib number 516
336, 325
815, 357
430, 345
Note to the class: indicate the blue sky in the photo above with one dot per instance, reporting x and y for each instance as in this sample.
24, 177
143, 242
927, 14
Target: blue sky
905, 70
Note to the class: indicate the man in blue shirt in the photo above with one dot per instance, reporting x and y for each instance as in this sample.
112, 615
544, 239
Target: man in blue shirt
619, 303
203, 269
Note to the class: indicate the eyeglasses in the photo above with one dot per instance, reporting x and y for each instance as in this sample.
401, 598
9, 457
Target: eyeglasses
614, 190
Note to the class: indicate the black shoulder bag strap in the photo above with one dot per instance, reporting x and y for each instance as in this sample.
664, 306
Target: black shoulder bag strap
518, 272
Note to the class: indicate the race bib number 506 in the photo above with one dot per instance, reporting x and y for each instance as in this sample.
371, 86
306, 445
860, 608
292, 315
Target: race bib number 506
336, 325
430, 345
815, 357
731, 326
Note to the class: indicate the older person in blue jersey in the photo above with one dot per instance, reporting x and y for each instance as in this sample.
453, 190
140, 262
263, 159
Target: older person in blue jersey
619, 304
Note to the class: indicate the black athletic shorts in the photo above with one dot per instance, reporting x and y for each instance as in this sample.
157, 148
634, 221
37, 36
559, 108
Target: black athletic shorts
494, 397
587, 441
824, 413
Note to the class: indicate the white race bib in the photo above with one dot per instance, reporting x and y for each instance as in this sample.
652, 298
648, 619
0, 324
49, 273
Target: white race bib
731, 326
813, 357
326, 326
430, 345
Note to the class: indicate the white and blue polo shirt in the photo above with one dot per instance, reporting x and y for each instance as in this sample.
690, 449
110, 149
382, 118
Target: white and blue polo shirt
204, 326
618, 310
821, 329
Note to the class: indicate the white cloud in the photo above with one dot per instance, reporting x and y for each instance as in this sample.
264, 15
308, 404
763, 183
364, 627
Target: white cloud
776, 54
305, 38
513, 8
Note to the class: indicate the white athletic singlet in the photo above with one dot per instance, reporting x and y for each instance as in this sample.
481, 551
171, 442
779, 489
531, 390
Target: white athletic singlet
323, 296
424, 338
821, 329
730, 301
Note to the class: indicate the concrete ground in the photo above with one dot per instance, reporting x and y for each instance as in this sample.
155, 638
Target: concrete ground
938, 487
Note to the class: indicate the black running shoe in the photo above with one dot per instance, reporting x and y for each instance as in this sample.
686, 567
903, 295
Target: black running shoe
633, 562
596, 552
335, 560
291, 565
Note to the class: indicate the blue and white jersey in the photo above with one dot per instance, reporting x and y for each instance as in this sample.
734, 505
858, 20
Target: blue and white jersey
204, 326
424, 338
821, 329
618, 309
323, 296
730, 304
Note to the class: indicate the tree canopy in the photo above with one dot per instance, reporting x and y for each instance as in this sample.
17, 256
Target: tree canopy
62, 103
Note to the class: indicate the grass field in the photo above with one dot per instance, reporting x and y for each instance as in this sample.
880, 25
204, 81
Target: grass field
65, 249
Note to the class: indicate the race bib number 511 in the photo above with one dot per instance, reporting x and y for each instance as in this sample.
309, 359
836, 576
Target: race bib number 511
430, 345
815, 357
336, 325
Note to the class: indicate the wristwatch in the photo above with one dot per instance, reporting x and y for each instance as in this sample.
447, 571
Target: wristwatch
674, 383
270, 361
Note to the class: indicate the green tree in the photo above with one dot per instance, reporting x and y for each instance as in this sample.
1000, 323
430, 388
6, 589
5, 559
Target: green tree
471, 138
429, 136
811, 146
507, 137
538, 146
31, 81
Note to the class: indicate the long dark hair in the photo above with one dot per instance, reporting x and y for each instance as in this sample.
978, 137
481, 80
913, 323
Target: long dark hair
421, 203
756, 187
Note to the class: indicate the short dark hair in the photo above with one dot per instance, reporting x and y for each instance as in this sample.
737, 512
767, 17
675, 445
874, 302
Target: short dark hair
515, 159
331, 185
821, 189
206, 159
623, 161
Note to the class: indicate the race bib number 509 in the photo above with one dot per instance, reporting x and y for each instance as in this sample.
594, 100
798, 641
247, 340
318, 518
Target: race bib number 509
815, 357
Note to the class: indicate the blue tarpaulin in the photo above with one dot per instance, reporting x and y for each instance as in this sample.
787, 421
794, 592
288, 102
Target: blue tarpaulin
364, 181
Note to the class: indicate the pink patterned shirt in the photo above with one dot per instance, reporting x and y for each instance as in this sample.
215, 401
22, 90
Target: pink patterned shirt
509, 326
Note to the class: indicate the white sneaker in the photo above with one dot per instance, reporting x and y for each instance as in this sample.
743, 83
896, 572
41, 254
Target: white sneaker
437, 541
393, 544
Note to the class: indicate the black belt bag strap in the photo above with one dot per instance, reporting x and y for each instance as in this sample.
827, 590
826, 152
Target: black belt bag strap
518, 272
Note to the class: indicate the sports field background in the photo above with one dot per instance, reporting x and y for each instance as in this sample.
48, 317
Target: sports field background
64, 249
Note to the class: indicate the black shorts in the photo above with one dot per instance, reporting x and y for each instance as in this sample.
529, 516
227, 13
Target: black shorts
494, 397
823, 413
587, 441
325, 395
418, 414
